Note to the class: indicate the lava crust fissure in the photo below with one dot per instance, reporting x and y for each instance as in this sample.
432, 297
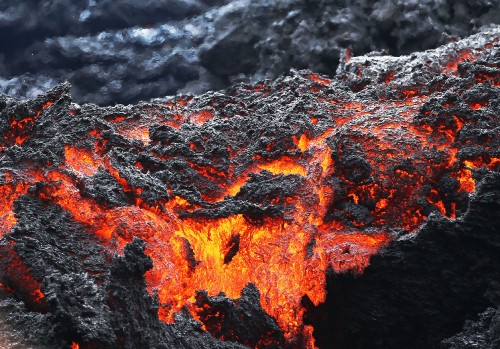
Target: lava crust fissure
212, 221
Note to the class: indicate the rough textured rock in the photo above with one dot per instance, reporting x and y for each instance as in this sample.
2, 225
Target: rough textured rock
447, 272
241, 320
92, 298
100, 203
14, 320
483, 333
126, 51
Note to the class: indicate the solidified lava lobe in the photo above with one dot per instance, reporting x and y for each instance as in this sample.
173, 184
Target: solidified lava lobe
270, 185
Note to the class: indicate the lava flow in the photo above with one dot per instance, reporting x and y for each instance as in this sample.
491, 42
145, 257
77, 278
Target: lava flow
271, 185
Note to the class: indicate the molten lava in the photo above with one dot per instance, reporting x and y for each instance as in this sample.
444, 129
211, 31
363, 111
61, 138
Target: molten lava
240, 189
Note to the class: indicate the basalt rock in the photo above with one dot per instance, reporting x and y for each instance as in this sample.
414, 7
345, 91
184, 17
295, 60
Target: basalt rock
124, 51
357, 211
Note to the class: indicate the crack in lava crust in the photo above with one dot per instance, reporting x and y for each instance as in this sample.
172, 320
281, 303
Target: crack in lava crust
271, 184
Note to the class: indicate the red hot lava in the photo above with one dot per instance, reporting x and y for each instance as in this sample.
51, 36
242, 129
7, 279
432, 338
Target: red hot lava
272, 184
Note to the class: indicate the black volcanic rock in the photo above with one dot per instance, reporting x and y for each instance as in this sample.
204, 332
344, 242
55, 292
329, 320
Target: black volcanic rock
420, 289
127, 51
15, 319
483, 333
104, 188
95, 298
175, 158
241, 320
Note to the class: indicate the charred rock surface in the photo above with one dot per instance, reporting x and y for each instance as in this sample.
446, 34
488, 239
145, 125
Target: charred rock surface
242, 320
483, 333
114, 219
91, 297
419, 290
124, 51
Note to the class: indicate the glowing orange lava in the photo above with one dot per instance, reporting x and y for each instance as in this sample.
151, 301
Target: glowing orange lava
374, 167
